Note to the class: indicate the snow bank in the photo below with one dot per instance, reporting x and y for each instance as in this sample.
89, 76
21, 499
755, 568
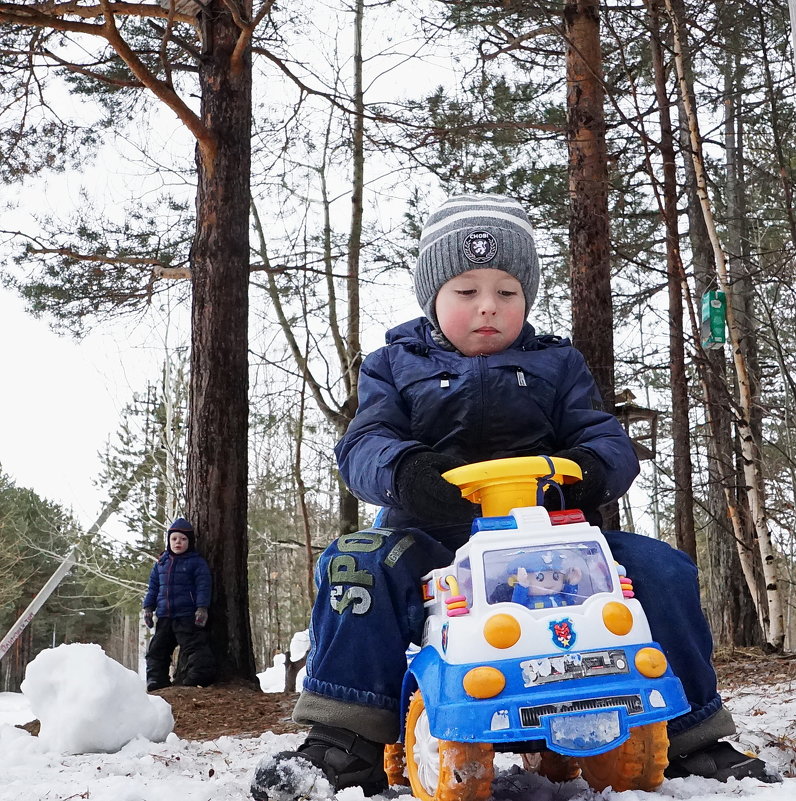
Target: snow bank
89, 703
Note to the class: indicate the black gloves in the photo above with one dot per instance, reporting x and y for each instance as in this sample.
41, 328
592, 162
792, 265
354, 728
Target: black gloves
425, 494
149, 621
589, 493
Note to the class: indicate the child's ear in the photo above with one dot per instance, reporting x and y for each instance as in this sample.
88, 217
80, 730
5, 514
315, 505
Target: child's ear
574, 576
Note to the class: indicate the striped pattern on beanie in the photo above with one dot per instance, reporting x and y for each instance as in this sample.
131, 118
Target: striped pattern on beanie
471, 232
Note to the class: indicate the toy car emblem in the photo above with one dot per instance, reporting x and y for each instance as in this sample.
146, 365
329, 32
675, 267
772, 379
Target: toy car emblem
564, 635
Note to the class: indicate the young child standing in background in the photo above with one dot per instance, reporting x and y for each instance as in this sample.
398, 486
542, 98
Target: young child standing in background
179, 595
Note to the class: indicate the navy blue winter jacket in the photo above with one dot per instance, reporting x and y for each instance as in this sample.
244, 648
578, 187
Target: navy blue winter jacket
537, 397
178, 584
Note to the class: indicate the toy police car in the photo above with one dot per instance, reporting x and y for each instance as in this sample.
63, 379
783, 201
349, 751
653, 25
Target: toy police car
533, 642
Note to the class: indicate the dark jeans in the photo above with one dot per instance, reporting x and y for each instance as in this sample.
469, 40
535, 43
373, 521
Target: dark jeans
369, 608
200, 665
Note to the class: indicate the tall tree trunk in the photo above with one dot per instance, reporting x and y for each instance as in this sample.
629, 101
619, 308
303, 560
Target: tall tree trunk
349, 506
589, 237
772, 613
773, 98
739, 267
685, 534
301, 493
218, 425
590, 265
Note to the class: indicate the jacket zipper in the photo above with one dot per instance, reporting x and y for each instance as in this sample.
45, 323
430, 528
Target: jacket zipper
168, 585
482, 370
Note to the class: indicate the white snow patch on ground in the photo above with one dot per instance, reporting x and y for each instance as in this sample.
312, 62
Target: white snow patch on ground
181, 770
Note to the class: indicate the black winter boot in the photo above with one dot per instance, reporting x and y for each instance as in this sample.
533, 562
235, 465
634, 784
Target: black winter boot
720, 761
328, 755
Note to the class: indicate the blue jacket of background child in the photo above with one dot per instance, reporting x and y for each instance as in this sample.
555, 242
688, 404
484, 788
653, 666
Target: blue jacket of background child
537, 397
178, 584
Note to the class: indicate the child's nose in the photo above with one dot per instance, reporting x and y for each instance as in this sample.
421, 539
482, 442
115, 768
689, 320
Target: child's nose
488, 305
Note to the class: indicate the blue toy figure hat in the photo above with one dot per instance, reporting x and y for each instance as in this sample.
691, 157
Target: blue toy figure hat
537, 562
184, 527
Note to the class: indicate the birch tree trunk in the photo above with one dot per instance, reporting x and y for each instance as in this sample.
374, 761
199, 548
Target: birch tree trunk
772, 615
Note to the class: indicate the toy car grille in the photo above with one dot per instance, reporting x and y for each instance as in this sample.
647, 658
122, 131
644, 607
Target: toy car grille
530, 715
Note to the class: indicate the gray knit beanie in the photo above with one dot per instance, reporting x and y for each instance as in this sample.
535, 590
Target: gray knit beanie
472, 232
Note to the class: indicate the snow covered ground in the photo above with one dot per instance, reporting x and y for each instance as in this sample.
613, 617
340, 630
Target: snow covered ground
77, 712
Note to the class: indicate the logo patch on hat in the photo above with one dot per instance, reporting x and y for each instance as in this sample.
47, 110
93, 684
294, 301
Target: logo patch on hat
479, 247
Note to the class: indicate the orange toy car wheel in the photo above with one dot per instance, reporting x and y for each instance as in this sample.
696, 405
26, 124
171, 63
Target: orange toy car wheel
442, 770
395, 764
637, 764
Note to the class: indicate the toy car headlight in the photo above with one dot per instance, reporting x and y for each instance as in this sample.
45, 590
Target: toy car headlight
483, 682
618, 619
502, 631
651, 662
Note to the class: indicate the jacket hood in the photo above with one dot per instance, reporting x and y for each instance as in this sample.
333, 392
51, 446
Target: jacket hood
184, 527
417, 334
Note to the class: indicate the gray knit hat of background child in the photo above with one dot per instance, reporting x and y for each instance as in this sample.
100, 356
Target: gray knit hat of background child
472, 232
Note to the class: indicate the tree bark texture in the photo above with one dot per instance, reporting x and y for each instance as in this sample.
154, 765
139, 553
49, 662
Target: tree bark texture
590, 268
685, 535
218, 427
738, 260
734, 622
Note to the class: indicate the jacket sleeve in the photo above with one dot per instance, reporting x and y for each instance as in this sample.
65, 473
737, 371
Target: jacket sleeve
204, 583
151, 597
378, 437
580, 422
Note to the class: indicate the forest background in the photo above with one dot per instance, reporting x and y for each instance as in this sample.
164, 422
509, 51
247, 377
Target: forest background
253, 180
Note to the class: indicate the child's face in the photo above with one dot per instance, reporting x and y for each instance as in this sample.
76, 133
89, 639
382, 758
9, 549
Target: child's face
481, 311
178, 542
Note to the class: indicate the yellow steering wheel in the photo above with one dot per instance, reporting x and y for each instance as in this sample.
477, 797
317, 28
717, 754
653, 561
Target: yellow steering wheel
501, 485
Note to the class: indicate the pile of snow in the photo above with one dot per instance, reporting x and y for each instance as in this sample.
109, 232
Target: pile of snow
272, 679
87, 702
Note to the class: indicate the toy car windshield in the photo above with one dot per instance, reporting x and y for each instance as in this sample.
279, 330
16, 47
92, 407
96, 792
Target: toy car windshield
543, 577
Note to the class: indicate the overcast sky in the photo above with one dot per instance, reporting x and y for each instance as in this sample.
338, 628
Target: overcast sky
61, 400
